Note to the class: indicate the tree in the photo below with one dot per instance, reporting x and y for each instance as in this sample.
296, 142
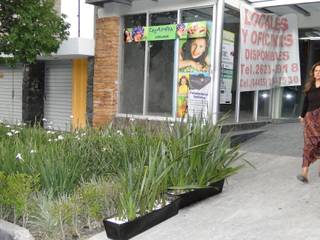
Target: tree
30, 28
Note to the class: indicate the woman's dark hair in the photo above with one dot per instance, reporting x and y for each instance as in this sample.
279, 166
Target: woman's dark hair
180, 79
310, 83
186, 51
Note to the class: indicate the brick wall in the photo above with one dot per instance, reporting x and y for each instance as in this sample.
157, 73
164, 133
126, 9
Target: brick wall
106, 70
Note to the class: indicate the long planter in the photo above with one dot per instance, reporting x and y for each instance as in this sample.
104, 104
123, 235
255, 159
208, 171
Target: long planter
132, 228
197, 195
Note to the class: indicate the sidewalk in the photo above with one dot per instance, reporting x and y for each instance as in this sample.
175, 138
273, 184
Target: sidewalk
266, 203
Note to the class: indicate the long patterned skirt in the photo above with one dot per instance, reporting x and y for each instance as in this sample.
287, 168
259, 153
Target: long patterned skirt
311, 150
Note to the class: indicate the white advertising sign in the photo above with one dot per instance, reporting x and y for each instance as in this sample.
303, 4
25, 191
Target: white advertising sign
269, 50
227, 67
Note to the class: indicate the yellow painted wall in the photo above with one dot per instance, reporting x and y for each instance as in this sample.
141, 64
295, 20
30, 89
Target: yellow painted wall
79, 92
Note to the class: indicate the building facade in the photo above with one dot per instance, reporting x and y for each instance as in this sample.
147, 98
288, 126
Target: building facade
141, 79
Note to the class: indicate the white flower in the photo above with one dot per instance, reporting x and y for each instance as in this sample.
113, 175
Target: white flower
104, 149
50, 140
9, 134
19, 157
16, 132
83, 134
120, 133
171, 124
60, 137
71, 116
33, 151
44, 119
131, 119
8, 126
15, 15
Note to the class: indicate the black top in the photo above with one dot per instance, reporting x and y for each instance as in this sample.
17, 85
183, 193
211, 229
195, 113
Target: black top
311, 101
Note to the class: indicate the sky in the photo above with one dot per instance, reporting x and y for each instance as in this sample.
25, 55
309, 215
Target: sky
70, 8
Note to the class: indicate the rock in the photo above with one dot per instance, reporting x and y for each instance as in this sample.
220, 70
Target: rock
10, 231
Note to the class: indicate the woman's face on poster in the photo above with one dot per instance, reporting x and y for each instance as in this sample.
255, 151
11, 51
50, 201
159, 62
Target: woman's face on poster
198, 47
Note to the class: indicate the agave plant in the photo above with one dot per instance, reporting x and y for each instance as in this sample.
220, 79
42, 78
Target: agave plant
202, 155
143, 182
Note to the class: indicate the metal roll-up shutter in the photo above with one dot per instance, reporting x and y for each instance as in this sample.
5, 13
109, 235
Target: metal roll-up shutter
11, 94
58, 95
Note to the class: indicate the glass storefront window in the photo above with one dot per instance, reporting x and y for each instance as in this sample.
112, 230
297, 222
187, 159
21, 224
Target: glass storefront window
290, 102
161, 69
132, 85
228, 80
264, 98
246, 106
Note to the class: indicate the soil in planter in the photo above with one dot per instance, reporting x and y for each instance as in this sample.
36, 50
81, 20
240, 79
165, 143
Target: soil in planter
132, 228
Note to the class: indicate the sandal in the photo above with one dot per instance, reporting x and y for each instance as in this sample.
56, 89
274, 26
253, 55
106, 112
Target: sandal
302, 178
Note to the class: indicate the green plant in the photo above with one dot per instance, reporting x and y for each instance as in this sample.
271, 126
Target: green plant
16, 191
203, 154
96, 198
143, 182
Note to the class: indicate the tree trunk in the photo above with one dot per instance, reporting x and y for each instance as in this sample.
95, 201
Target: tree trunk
33, 93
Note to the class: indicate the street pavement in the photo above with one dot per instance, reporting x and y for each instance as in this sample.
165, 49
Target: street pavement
262, 203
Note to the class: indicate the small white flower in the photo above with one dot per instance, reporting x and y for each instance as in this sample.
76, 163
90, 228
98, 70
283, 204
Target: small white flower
120, 133
44, 119
8, 126
16, 132
104, 149
33, 151
50, 140
9, 134
171, 124
83, 134
19, 157
19, 124
60, 137
131, 119
71, 116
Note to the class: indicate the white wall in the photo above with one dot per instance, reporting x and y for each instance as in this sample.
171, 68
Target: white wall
70, 8
140, 6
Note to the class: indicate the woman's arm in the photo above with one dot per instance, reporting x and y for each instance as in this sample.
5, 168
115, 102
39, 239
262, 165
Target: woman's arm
304, 108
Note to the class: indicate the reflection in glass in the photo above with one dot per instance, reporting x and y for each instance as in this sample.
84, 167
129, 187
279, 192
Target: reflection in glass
228, 94
131, 87
264, 100
246, 106
161, 66
290, 102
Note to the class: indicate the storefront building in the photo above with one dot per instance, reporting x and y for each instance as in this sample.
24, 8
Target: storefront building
143, 78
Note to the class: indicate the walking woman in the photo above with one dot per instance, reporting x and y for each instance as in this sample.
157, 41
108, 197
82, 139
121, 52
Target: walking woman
310, 117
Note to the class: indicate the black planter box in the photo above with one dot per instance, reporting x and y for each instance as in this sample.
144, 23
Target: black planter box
132, 228
197, 195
